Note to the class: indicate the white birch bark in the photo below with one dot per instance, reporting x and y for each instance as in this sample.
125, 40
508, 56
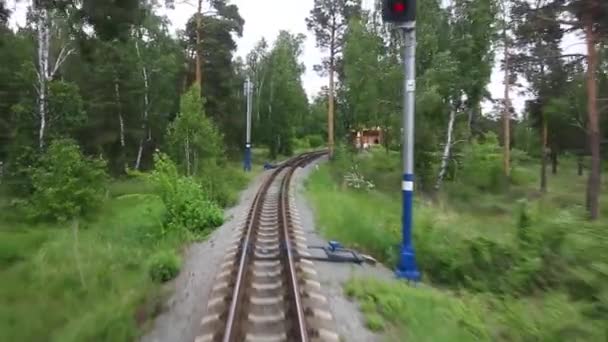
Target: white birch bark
446, 150
42, 18
144, 124
121, 121
45, 72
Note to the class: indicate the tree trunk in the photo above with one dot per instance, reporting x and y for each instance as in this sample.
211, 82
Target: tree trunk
594, 183
144, 124
330, 109
187, 150
330, 112
506, 117
446, 150
543, 162
121, 121
43, 37
199, 71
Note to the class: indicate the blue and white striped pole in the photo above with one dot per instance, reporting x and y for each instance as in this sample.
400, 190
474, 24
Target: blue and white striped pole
248, 91
407, 268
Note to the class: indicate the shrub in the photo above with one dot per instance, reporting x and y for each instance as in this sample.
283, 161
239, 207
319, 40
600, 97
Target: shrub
315, 141
66, 184
221, 184
521, 157
188, 207
21, 163
193, 139
482, 165
300, 144
164, 266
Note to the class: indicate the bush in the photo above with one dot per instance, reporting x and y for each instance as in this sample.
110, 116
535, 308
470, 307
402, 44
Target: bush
188, 207
315, 141
21, 163
482, 165
300, 144
192, 138
221, 184
66, 184
164, 266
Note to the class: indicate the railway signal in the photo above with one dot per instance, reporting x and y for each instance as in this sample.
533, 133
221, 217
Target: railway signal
399, 11
403, 14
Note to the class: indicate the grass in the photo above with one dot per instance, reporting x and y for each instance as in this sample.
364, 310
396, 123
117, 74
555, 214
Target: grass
418, 313
422, 313
65, 289
96, 286
513, 266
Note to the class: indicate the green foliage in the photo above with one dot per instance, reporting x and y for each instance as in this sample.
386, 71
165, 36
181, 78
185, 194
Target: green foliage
414, 313
354, 221
222, 183
281, 104
482, 165
41, 276
66, 107
66, 184
222, 72
521, 258
163, 266
187, 206
193, 139
315, 141
374, 322
21, 163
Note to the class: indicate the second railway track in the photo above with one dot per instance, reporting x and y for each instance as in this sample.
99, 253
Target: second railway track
266, 288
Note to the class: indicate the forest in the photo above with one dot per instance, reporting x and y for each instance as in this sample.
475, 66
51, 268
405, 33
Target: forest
121, 142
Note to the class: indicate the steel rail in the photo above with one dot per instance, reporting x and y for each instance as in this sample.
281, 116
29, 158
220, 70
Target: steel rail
230, 332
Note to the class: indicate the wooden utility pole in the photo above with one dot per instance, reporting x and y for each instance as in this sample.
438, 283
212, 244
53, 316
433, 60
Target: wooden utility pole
199, 72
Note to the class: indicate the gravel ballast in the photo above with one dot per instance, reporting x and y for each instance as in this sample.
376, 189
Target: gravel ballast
182, 314
183, 311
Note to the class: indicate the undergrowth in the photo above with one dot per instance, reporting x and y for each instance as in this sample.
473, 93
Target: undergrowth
515, 252
101, 281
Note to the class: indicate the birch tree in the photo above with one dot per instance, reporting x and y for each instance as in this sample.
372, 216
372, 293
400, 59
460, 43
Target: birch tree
46, 68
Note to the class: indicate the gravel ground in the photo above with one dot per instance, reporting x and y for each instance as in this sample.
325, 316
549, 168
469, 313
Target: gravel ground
349, 321
180, 321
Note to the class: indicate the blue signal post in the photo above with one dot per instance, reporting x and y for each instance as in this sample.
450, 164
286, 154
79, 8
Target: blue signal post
407, 268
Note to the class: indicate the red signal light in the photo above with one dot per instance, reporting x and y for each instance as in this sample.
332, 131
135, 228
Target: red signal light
399, 7
399, 11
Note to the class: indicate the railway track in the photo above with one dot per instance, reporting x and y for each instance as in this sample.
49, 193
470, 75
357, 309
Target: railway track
266, 289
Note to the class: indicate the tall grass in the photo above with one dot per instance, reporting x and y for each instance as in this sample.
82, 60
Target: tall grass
516, 250
63, 288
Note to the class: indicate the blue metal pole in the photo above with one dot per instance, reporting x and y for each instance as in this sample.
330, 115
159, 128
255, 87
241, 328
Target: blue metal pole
247, 157
407, 268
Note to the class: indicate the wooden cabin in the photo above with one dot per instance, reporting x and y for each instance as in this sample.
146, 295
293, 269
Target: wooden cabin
367, 137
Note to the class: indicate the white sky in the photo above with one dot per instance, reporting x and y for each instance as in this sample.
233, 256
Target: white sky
291, 15
260, 23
